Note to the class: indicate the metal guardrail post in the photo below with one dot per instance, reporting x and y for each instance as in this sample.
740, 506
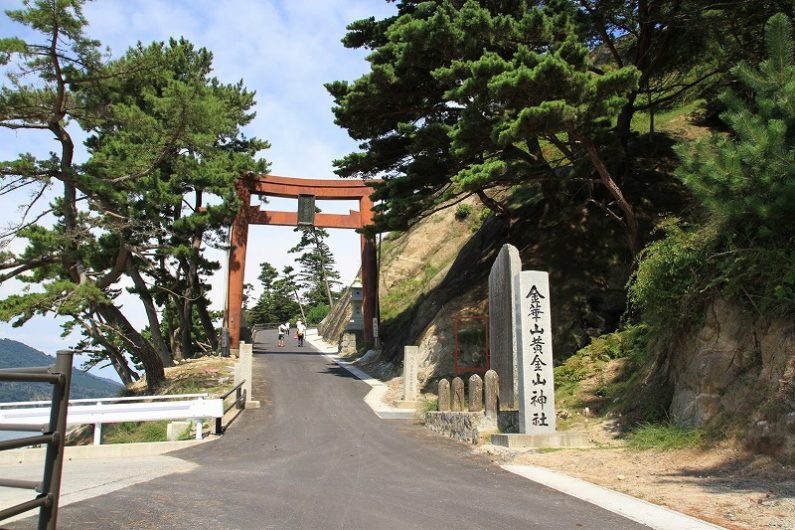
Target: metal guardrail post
53, 434
239, 403
51, 483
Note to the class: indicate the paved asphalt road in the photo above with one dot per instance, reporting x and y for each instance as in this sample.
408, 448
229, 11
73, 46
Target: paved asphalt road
315, 456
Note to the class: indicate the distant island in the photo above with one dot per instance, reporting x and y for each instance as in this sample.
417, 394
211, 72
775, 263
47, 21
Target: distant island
14, 354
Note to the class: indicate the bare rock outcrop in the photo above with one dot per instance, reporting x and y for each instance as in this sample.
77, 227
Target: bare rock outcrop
737, 369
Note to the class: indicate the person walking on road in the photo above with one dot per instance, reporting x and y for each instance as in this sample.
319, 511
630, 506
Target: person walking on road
284, 329
300, 329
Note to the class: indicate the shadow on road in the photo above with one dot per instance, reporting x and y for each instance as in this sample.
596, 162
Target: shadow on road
337, 371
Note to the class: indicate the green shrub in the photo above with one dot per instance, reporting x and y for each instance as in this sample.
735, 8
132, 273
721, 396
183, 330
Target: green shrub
631, 342
669, 277
317, 313
462, 211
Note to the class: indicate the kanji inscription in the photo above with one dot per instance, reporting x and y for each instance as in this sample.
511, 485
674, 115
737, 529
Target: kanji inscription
536, 384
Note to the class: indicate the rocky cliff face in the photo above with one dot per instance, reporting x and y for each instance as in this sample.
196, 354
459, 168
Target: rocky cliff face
737, 370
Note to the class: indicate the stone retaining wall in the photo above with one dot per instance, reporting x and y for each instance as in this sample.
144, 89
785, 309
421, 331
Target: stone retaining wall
464, 426
508, 421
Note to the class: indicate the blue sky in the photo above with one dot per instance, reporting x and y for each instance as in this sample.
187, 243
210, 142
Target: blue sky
283, 50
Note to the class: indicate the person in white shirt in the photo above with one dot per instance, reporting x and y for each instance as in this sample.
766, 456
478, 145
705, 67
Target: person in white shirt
300, 332
284, 329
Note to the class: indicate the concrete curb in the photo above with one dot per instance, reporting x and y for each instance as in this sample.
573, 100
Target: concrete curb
651, 515
374, 398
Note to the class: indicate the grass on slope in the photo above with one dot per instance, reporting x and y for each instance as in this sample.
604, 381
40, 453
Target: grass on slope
676, 120
607, 380
211, 375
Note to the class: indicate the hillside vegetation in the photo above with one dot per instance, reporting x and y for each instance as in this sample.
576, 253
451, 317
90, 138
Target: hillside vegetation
657, 194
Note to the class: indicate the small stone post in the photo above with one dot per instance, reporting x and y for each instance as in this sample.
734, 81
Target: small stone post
458, 394
475, 393
444, 395
492, 391
243, 371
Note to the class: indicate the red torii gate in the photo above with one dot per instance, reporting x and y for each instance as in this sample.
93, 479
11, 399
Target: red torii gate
276, 186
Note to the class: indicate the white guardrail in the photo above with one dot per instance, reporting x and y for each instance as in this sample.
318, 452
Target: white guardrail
116, 410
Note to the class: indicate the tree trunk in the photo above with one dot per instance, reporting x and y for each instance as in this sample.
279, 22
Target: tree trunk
116, 357
192, 275
127, 376
153, 365
323, 268
151, 313
173, 333
186, 318
630, 221
624, 122
206, 320
507, 215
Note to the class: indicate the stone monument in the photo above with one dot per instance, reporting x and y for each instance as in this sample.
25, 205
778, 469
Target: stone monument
443, 392
411, 391
520, 337
536, 380
244, 372
458, 394
502, 323
475, 393
491, 391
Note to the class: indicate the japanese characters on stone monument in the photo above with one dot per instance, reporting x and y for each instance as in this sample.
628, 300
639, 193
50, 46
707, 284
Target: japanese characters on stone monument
411, 356
536, 384
503, 324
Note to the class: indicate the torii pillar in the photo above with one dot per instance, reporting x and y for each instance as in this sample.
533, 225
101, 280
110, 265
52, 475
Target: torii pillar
276, 186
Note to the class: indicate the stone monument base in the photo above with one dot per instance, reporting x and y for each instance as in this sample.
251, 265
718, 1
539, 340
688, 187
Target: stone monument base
347, 344
403, 404
553, 440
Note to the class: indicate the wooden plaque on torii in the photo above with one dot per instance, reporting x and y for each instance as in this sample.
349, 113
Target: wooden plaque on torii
288, 187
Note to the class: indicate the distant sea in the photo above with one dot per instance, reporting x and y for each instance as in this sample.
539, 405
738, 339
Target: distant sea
10, 435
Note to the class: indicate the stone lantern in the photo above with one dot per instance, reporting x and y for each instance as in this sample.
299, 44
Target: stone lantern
356, 323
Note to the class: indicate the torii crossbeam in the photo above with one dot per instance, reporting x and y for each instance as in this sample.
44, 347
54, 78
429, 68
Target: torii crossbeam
288, 187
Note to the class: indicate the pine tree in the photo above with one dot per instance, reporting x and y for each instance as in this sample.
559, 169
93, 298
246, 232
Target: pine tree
742, 246
163, 136
277, 303
746, 181
317, 276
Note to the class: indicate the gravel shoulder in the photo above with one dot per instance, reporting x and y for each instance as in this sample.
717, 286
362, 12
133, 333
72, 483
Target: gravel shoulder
722, 485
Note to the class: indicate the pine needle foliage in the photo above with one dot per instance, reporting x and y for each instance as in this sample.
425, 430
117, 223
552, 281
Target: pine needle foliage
745, 184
